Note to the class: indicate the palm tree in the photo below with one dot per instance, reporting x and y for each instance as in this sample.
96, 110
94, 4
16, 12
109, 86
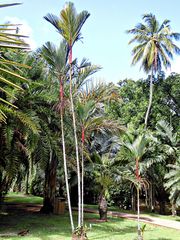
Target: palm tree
88, 107
85, 111
104, 178
137, 149
173, 185
57, 60
9, 40
170, 148
155, 48
69, 26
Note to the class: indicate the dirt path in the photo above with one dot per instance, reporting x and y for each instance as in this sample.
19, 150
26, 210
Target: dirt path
152, 220
20, 207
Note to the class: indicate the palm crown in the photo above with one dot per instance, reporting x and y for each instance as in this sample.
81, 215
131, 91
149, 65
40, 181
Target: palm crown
69, 23
156, 46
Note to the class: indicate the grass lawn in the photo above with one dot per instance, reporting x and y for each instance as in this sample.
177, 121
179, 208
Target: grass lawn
47, 227
56, 227
143, 214
22, 198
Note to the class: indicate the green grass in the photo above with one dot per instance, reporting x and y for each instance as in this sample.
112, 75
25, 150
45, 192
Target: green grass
143, 213
53, 227
57, 227
21, 198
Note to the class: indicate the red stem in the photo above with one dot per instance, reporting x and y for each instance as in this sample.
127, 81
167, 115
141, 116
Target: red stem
70, 54
83, 135
137, 169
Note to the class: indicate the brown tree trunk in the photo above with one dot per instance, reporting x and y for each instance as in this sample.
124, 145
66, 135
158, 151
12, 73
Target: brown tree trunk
50, 185
102, 208
162, 207
173, 209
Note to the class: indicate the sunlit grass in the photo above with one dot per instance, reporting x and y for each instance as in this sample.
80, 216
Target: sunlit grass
57, 227
22, 198
46, 227
143, 213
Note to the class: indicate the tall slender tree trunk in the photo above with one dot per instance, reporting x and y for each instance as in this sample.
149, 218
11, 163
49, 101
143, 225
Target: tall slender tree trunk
138, 205
138, 214
76, 141
29, 176
64, 157
150, 99
151, 196
27, 182
82, 178
133, 199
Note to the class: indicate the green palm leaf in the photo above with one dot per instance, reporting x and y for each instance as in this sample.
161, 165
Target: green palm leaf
9, 40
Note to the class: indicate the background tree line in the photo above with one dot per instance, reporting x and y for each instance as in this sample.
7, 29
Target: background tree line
63, 135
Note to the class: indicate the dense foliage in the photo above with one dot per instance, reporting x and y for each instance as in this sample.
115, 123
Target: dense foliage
115, 153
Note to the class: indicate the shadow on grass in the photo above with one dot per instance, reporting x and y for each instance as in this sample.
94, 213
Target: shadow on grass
162, 239
104, 231
117, 227
14, 220
42, 226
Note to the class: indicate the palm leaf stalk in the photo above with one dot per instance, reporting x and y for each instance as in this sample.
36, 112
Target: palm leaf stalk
9, 4
155, 49
69, 26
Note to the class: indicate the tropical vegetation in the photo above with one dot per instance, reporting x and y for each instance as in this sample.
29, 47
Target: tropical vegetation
65, 138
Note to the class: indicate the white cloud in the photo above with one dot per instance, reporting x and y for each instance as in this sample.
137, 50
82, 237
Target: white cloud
24, 29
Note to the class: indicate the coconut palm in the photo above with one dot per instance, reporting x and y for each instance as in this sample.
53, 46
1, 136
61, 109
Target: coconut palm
69, 25
155, 48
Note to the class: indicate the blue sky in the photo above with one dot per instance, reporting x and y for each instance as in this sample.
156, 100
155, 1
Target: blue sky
105, 42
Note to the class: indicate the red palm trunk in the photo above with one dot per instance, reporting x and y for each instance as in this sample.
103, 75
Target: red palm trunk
83, 135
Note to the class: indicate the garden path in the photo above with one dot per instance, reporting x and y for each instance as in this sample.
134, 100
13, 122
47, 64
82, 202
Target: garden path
146, 219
